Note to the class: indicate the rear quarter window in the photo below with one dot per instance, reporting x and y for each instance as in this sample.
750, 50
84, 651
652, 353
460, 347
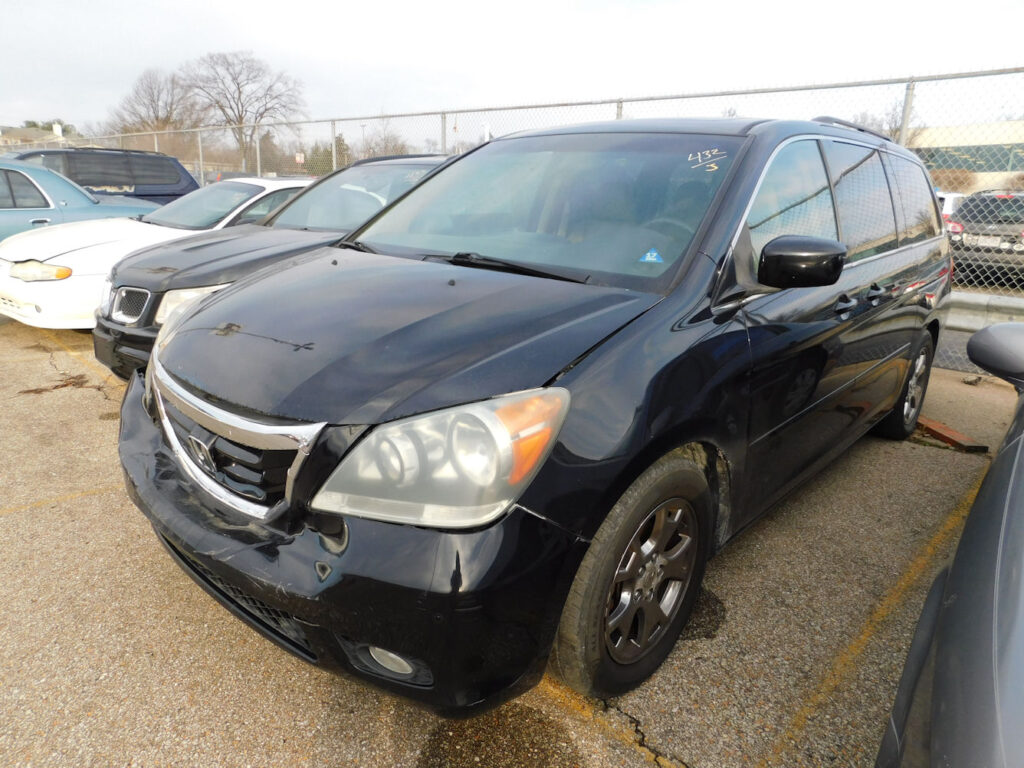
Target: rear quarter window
6, 199
920, 220
26, 194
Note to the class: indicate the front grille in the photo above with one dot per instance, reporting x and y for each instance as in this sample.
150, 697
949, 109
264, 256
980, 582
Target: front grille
245, 464
129, 304
255, 474
273, 619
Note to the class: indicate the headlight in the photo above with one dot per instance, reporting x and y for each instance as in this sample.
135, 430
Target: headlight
31, 271
108, 297
456, 468
174, 300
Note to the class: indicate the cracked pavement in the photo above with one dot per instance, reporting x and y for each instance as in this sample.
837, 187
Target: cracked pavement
112, 656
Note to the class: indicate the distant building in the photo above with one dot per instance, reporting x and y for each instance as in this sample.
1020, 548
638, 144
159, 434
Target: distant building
973, 157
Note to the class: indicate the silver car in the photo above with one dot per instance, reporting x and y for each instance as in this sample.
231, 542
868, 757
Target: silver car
960, 701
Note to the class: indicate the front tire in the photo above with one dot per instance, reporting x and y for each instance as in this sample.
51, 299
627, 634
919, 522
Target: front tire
638, 582
902, 420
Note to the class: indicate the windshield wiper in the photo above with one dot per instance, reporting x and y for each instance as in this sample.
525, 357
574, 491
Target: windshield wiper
355, 245
470, 259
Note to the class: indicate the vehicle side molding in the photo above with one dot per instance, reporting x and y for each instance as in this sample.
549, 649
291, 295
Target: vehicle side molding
799, 261
999, 349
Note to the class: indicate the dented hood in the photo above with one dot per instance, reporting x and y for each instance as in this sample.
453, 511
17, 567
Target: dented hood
355, 338
212, 258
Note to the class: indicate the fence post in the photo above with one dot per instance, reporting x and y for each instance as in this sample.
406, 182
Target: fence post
259, 160
618, 109
334, 147
908, 108
202, 170
444, 133
156, 142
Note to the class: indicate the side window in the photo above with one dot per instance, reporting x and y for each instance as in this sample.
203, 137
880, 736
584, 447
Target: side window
99, 171
263, 206
26, 194
154, 170
794, 198
915, 195
6, 199
862, 197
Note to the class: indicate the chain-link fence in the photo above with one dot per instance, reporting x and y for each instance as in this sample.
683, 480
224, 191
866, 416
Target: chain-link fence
967, 127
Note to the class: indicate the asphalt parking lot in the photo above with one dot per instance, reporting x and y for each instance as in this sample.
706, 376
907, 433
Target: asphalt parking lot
111, 656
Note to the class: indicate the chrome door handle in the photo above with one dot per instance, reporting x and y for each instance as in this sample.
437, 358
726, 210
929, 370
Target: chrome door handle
845, 304
33, 222
874, 294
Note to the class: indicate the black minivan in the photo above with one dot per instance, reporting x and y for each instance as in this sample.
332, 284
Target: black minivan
151, 176
509, 419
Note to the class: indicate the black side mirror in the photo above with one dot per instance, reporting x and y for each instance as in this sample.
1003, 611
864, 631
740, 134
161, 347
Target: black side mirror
999, 349
798, 261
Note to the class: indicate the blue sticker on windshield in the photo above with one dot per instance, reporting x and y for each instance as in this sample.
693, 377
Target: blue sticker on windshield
652, 257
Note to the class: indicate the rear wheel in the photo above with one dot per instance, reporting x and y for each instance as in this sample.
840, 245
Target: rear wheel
902, 420
638, 582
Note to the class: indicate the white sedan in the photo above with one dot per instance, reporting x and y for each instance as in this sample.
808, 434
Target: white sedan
55, 277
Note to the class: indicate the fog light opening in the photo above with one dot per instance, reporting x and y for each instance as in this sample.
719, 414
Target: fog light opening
391, 661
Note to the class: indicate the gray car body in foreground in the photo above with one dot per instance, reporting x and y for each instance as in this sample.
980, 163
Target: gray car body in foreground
961, 699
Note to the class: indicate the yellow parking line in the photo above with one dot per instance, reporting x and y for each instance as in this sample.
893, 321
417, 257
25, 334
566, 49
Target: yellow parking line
79, 355
58, 499
844, 664
582, 707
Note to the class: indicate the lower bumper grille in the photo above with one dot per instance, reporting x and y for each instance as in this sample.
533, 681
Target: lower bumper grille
280, 623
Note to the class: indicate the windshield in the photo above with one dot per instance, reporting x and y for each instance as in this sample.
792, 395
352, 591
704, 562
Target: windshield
618, 209
205, 207
347, 199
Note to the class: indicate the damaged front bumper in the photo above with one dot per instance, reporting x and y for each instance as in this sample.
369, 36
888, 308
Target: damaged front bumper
470, 614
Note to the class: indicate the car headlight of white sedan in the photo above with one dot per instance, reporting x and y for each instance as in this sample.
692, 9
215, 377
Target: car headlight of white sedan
34, 271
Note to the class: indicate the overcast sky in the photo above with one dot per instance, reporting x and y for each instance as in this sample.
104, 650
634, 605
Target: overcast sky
76, 60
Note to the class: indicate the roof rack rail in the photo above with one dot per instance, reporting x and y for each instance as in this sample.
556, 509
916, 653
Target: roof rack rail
847, 124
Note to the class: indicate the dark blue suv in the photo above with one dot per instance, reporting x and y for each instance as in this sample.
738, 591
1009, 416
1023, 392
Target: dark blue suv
133, 173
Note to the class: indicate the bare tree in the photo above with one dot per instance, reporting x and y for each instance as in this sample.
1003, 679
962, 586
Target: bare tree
243, 91
383, 140
157, 102
889, 123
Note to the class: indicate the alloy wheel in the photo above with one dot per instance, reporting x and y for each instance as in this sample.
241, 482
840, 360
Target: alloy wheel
650, 581
915, 388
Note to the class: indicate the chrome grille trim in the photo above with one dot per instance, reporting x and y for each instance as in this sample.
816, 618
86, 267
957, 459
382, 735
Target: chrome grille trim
129, 304
239, 429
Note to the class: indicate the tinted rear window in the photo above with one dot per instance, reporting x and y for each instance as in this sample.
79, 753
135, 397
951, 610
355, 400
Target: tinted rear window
1003, 210
154, 170
104, 172
920, 221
